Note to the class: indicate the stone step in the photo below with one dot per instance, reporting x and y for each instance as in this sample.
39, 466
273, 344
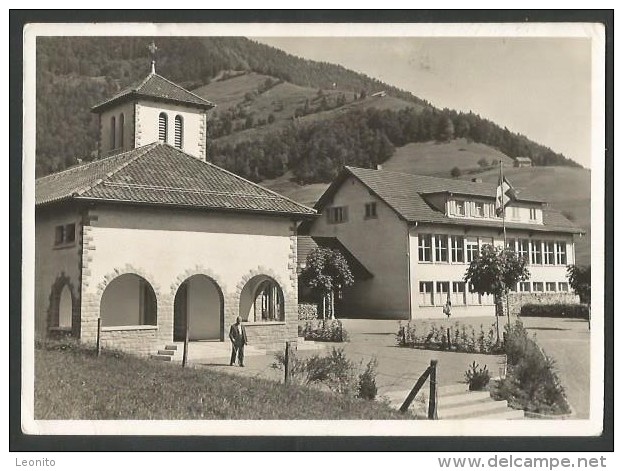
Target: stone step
171, 347
166, 351
465, 398
475, 409
452, 389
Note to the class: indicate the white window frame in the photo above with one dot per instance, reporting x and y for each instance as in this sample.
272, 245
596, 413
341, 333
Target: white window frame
441, 248
525, 284
536, 285
457, 248
422, 248
479, 209
426, 297
521, 245
538, 244
563, 286
557, 247
441, 296
458, 297
460, 204
549, 255
469, 249
550, 284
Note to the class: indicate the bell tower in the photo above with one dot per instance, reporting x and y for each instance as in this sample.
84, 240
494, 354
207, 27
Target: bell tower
153, 110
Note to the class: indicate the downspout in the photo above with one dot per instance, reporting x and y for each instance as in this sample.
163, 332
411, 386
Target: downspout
410, 287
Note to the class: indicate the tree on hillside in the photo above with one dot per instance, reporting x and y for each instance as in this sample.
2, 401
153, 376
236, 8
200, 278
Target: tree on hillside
455, 172
327, 273
483, 163
494, 272
445, 130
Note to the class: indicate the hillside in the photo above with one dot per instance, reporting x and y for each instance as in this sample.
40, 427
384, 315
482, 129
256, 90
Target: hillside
438, 158
260, 91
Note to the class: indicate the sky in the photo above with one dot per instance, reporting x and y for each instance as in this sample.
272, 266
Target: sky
539, 87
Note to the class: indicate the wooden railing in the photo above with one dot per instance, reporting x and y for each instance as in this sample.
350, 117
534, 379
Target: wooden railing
430, 373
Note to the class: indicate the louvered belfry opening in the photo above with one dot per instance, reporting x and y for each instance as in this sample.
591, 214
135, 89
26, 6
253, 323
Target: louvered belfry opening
162, 127
179, 131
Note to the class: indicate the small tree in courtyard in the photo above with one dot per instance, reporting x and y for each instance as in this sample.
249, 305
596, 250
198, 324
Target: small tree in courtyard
580, 280
494, 272
327, 272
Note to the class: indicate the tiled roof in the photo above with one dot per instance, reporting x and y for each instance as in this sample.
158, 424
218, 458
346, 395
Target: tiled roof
156, 87
305, 244
404, 193
162, 175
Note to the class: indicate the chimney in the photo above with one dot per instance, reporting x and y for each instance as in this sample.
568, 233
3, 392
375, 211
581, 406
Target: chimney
477, 180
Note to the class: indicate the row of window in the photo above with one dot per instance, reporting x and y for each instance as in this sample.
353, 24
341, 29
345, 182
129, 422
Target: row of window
538, 252
478, 209
540, 287
163, 129
437, 294
443, 248
339, 214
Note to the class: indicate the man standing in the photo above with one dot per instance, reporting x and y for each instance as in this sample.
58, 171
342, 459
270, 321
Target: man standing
238, 338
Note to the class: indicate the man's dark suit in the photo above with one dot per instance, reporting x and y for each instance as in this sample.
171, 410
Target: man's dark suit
238, 341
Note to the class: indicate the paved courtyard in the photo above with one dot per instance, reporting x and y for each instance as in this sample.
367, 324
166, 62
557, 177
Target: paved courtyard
565, 340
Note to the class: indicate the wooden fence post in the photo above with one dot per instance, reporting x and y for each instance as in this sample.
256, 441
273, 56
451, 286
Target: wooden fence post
185, 355
286, 378
99, 336
432, 397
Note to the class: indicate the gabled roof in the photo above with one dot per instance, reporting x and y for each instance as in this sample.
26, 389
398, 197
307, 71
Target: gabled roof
157, 88
159, 174
305, 244
405, 194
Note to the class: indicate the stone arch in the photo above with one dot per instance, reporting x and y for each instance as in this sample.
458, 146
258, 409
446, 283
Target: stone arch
53, 316
129, 270
198, 296
247, 292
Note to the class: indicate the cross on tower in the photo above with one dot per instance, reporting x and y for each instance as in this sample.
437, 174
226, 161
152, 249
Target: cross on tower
152, 49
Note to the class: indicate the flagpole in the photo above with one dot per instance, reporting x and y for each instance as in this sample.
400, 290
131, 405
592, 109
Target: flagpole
506, 291
503, 205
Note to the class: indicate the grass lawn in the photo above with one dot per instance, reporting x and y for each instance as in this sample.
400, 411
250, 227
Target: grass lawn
75, 384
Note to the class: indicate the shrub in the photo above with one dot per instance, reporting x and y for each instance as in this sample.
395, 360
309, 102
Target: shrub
571, 311
531, 382
367, 382
477, 378
326, 330
334, 371
462, 338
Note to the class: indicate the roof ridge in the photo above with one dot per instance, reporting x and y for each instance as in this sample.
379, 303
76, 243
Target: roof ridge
144, 81
419, 175
123, 165
185, 89
245, 180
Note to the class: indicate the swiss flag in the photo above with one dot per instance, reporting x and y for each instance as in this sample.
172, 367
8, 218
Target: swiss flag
504, 194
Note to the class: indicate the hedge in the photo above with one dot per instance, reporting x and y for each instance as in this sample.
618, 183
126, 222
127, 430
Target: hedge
531, 383
571, 311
